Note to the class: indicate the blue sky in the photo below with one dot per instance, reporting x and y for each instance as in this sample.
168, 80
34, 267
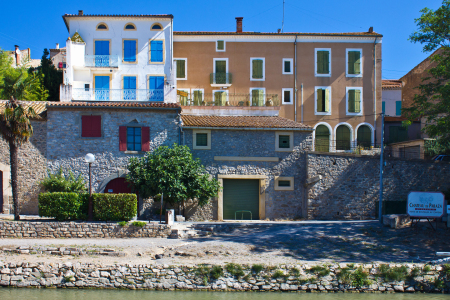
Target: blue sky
38, 24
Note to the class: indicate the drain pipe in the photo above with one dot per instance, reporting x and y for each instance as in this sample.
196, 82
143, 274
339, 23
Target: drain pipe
301, 88
295, 82
375, 89
180, 123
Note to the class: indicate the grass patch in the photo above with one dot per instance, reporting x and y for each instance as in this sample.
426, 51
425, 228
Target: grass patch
123, 223
439, 283
138, 224
235, 270
216, 272
426, 268
295, 272
320, 271
393, 274
446, 270
278, 274
360, 277
257, 268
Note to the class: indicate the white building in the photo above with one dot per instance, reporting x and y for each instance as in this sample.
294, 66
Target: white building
392, 97
119, 58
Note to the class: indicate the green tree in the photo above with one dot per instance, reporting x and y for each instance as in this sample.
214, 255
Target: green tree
432, 102
59, 182
52, 78
174, 173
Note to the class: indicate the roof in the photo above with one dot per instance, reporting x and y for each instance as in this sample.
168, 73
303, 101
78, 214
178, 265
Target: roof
66, 16
390, 84
38, 106
110, 104
240, 122
438, 51
366, 34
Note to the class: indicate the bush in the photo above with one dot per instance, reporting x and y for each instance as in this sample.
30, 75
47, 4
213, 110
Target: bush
216, 272
235, 270
115, 207
58, 182
139, 224
61, 206
257, 268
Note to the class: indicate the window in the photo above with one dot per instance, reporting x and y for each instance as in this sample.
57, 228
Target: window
86, 87
129, 88
354, 101
197, 97
354, 58
133, 138
257, 68
183, 96
258, 96
383, 107
322, 138
323, 62
364, 136
288, 64
398, 134
91, 126
220, 46
220, 97
201, 139
343, 137
129, 51
323, 100
156, 26
220, 76
102, 26
156, 88
130, 26
287, 95
181, 68
284, 183
157, 51
398, 108
284, 141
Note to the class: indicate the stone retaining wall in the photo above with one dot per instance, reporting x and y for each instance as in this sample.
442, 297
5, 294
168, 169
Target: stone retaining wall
10, 229
276, 278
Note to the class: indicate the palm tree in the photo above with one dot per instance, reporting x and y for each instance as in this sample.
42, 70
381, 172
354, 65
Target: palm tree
15, 125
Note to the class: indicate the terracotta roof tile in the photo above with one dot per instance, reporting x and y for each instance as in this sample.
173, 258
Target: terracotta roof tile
373, 34
116, 104
38, 106
242, 122
391, 84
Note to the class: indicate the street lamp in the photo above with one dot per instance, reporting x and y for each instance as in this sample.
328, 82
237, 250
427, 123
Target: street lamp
90, 158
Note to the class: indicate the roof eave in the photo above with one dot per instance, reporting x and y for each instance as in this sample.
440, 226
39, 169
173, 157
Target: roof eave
248, 128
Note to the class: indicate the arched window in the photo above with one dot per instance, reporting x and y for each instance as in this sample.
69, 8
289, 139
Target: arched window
102, 26
156, 26
364, 138
343, 138
130, 26
322, 140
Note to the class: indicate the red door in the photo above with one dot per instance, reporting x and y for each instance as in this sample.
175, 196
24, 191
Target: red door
120, 186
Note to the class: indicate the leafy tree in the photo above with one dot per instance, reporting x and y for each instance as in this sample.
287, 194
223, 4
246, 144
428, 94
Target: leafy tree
433, 100
52, 78
174, 173
59, 182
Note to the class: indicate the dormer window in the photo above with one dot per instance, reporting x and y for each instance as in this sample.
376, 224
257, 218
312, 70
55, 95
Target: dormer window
102, 26
130, 26
156, 26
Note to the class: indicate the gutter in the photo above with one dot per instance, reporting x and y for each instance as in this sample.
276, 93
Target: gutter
249, 128
295, 81
119, 107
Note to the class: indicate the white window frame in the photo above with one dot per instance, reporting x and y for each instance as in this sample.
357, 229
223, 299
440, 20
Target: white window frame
346, 62
346, 101
257, 88
214, 63
277, 141
194, 139
192, 93
185, 68
284, 188
352, 140
226, 92
291, 90
224, 46
251, 68
315, 61
315, 101
291, 60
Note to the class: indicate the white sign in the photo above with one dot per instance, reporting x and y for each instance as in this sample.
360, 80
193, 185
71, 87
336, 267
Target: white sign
425, 204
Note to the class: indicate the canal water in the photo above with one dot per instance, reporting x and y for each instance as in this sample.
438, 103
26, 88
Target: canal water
69, 294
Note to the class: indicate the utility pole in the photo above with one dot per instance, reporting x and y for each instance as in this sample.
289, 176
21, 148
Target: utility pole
380, 203
282, 23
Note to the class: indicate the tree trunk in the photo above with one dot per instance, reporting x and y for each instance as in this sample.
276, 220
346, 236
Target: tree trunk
13, 162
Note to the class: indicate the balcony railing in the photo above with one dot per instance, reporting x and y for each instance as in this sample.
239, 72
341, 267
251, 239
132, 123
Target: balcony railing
224, 99
85, 94
101, 61
220, 78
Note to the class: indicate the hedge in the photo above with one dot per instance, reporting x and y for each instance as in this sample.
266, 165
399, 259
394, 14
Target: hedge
73, 206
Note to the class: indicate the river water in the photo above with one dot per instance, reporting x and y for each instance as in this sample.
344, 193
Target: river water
69, 294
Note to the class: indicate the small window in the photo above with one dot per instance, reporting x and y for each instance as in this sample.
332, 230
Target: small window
323, 100
86, 87
134, 138
220, 46
284, 141
258, 96
156, 26
130, 26
201, 139
354, 66
181, 68
288, 66
157, 51
284, 183
323, 62
257, 69
220, 97
91, 126
102, 26
197, 97
287, 96
354, 101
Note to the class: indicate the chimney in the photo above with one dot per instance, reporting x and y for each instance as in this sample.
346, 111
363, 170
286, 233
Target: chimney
57, 45
239, 24
80, 12
17, 55
370, 29
279, 30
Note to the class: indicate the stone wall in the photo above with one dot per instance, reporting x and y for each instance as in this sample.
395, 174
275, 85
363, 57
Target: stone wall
80, 230
350, 183
32, 169
276, 278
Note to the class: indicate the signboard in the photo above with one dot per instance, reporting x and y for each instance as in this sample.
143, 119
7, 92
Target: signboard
425, 204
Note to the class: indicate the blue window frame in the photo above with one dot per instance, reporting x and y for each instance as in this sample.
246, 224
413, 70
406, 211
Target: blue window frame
156, 88
398, 108
134, 139
383, 107
129, 88
156, 49
102, 87
129, 50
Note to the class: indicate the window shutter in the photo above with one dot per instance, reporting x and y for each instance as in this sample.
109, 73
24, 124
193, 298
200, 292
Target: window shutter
357, 58
319, 100
320, 69
398, 108
327, 100
326, 62
122, 138
96, 126
197, 98
220, 45
351, 101
357, 101
383, 107
145, 139
351, 62
181, 69
257, 69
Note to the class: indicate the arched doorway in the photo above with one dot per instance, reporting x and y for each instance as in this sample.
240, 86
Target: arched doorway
322, 139
364, 138
343, 138
118, 186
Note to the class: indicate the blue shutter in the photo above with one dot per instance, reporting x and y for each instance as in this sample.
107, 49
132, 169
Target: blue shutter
398, 108
383, 107
129, 86
129, 51
156, 85
156, 48
101, 47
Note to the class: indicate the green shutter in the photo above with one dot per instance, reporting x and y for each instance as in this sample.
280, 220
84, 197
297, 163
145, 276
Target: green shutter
181, 69
257, 69
327, 100
354, 62
323, 62
221, 66
364, 136
257, 97
198, 98
322, 139
342, 138
398, 108
357, 101
220, 98
351, 101
319, 100
357, 58
220, 45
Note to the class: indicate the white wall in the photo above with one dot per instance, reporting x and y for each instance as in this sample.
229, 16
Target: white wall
390, 97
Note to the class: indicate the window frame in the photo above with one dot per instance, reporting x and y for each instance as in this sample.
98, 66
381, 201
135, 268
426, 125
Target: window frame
150, 51
224, 46
225, 91
315, 101
129, 23
257, 88
203, 94
347, 113
291, 60
185, 68
188, 91
123, 51
251, 68
283, 188
291, 91
214, 64
346, 62
106, 40
101, 29
151, 27
277, 141
134, 151
194, 139
81, 126
315, 61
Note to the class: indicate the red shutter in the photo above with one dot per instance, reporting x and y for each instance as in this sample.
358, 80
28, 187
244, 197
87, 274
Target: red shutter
145, 139
122, 138
60, 65
96, 126
85, 126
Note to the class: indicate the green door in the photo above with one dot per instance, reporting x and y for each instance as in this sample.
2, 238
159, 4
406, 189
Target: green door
240, 195
322, 139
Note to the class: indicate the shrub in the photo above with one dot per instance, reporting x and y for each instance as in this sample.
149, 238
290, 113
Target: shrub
59, 182
123, 223
235, 270
278, 274
61, 206
115, 207
393, 274
321, 271
216, 272
360, 277
139, 224
257, 268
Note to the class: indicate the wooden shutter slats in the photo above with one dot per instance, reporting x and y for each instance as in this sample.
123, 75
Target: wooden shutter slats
122, 138
145, 138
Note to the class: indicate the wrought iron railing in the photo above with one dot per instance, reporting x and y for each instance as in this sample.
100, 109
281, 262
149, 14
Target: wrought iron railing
86, 94
101, 61
220, 78
224, 99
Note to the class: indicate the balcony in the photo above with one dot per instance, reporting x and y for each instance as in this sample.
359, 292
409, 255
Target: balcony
87, 94
230, 100
220, 79
101, 61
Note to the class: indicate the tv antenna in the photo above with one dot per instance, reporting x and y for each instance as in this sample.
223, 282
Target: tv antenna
282, 23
